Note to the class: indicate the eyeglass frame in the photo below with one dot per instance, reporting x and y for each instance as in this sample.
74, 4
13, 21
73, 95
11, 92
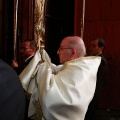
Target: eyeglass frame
63, 48
24, 48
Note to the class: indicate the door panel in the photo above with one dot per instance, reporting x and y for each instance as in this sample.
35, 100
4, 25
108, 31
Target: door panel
102, 19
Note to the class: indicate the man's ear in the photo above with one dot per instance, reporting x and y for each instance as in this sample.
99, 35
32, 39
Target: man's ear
32, 50
74, 52
102, 48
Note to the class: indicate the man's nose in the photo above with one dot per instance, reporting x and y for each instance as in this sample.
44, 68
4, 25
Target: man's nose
58, 52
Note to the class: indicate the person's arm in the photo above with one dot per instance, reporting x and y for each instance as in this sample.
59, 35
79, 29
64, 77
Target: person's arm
15, 66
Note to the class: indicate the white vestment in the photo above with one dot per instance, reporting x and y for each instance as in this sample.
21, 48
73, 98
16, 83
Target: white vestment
64, 92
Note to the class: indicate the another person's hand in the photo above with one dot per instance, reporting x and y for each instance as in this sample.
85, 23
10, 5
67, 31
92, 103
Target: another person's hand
14, 64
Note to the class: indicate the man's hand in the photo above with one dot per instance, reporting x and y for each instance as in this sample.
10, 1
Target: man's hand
14, 64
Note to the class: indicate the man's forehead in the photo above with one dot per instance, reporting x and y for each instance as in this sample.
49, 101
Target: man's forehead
26, 43
63, 43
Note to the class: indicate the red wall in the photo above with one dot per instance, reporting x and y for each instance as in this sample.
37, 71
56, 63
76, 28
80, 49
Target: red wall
102, 19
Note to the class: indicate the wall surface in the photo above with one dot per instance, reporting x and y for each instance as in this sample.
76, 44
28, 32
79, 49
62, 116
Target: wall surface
102, 19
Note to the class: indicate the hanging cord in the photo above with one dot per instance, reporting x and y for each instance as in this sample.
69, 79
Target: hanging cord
15, 27
82, 20
39, 38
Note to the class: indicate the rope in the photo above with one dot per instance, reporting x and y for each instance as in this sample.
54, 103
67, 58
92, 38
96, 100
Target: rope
82, 20
15, 26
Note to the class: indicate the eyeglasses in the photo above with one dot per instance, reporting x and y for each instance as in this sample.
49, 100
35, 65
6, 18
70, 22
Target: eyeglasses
24, 48
63, 48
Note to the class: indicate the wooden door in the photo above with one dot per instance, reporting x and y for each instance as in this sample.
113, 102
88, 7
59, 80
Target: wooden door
25, 27
102, 19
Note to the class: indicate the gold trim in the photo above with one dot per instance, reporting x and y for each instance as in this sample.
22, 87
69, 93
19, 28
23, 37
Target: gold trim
39, 25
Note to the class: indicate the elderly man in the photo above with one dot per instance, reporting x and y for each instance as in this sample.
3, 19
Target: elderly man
65, 91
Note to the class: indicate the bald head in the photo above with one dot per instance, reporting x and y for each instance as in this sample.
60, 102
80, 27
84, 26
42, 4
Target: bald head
76, 43
71, 47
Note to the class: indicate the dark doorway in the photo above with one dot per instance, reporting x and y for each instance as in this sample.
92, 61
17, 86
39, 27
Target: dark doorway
6, 52
59, 23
